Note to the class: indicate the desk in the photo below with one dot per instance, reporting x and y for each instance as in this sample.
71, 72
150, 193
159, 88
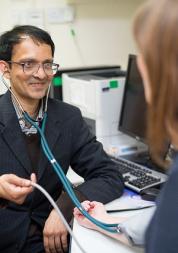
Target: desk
95, 242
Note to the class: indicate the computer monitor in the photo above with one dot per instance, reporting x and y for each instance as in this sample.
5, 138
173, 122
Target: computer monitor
133, 112
133, 115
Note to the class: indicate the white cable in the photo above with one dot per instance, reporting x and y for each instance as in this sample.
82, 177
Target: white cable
9, 88
41, 189
47, 96
77, 45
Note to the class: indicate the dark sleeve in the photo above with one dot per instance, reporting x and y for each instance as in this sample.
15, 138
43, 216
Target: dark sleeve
3, 203
66, 205
103, 182
162, 232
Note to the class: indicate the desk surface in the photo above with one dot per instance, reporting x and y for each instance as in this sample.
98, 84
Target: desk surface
94, 242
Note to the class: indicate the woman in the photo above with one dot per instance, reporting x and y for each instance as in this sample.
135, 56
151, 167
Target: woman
14, 188
156, 34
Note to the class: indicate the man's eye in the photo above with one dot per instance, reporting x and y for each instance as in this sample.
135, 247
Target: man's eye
48, 65
29, 64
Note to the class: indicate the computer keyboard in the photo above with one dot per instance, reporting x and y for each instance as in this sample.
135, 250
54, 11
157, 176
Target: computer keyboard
138, 177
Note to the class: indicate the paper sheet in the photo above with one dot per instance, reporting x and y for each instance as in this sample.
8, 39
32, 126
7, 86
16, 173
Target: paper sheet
129, 201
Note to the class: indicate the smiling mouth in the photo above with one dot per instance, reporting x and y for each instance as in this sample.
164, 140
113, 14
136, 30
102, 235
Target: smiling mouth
37, 84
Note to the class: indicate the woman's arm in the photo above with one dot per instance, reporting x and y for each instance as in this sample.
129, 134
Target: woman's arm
133, 228
97, 210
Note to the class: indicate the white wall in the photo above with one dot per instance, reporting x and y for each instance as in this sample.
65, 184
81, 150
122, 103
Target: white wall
102, 29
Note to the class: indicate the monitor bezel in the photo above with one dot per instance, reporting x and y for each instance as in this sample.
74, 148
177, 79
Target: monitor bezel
131, 57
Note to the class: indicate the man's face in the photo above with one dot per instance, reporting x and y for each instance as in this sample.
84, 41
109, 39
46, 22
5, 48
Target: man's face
30, 87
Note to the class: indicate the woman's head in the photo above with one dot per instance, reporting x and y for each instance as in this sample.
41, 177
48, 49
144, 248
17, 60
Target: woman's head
156, 34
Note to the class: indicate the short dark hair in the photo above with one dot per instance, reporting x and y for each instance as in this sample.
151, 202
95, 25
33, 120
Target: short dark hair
14, 36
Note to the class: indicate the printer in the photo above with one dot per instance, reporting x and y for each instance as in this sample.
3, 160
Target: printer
99, 95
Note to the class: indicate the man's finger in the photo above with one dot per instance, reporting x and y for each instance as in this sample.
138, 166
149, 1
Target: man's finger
13, 179
33, 178
51, 241
46, 244
58, 244
64, 242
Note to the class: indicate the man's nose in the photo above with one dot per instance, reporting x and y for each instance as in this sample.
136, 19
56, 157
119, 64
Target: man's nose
40, 72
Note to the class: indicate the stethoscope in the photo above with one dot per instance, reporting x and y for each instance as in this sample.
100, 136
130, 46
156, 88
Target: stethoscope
113, 228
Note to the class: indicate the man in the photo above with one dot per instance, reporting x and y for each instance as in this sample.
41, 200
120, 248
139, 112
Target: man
26, 60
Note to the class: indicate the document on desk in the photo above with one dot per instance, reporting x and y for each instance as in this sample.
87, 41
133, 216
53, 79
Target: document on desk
129, 201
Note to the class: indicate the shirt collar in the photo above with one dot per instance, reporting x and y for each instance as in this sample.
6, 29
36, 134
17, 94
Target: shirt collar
26, 127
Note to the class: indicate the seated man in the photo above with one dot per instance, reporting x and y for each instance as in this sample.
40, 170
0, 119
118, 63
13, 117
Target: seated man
26, 60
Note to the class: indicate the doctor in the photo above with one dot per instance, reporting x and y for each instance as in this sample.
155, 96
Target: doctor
26, 59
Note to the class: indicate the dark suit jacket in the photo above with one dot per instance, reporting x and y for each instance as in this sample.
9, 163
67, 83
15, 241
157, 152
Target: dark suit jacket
72, 144
162, 233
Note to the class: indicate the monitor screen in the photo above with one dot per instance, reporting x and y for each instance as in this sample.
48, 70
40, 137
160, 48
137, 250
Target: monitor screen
133, 112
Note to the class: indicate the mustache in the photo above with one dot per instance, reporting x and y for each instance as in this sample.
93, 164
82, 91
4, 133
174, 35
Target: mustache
37, 80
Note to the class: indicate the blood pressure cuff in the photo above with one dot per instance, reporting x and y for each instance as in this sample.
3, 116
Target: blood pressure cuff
135, 227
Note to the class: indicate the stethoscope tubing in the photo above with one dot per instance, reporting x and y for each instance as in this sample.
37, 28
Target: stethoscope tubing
113, 228
63, 178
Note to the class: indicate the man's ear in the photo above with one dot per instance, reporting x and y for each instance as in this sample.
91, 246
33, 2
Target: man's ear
4, 69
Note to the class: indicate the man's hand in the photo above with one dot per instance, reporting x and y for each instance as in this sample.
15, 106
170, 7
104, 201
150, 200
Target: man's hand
55, 234
14, 188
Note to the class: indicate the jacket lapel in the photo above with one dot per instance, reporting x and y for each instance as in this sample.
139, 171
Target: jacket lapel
13, 136
52, 134
11, 132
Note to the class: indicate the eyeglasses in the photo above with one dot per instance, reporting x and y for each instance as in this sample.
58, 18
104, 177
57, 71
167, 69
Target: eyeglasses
30, 67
